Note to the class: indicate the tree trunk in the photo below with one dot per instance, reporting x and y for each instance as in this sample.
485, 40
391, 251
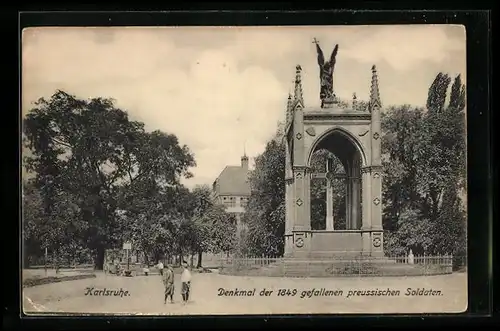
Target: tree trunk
99, 258
156, 256
192, 260
200, 255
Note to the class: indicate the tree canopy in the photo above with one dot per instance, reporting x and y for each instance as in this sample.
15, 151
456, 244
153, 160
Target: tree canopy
265, 212
101, 179
425, 172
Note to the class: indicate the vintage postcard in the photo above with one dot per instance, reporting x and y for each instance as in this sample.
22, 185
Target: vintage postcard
244, 170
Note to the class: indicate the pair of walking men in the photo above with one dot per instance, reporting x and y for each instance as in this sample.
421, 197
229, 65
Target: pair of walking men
168, 281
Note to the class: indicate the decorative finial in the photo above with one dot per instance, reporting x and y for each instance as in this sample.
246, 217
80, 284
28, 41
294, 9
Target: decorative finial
245, 149
289, 108
374, 90
298, 84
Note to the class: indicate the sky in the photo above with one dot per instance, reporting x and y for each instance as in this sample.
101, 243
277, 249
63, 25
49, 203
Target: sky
222, 90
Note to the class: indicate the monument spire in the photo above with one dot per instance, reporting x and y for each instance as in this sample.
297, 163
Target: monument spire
375, 108
374, 90
298, 85
289, 109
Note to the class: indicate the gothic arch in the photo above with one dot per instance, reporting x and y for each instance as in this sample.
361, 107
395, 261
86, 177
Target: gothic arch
346, 134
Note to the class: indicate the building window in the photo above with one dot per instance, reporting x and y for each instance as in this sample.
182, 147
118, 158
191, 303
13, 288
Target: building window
244, 202
229, 201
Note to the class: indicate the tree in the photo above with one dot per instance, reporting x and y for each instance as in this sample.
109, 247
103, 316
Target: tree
424, 166
402, 131
450, 226
265, 213
442, 150
413, 232
59, 230
213, 230
437, 93
91, 150
156, 219
32, 217
203, 203
222, 229
202, 199
63, 230
457, 95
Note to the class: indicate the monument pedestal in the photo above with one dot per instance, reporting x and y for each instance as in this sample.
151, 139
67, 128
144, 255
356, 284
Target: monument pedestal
324, 244
328, 102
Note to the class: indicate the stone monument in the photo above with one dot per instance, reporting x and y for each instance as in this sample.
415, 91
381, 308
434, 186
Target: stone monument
353, 136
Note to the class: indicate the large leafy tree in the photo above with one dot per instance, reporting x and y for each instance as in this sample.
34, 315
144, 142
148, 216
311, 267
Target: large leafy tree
402, 131
436, 98
221, 229
202, 221
33, 217
154, 219
265, 213
59, 232
91, 150
424, 165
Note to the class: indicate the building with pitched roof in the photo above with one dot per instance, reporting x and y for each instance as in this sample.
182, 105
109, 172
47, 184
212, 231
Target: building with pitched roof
232, 189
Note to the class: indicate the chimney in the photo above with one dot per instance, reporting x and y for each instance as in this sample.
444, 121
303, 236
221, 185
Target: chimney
244, 162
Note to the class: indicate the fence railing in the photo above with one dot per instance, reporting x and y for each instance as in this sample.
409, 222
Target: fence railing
249, 262
341, 266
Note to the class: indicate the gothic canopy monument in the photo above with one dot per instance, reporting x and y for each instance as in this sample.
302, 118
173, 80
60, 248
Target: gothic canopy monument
353, 136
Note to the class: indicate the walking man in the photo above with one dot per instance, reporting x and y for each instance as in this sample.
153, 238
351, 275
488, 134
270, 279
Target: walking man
168, 281
186, 282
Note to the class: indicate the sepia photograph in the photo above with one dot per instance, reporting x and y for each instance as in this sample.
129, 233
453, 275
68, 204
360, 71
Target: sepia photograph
244, 170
